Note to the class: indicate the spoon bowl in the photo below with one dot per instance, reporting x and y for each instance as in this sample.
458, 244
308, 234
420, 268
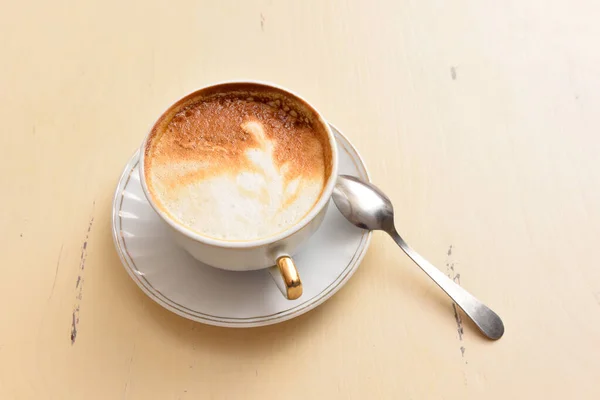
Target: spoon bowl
362, 204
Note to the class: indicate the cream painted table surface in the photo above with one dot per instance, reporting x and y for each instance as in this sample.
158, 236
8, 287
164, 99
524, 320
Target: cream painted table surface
480, 119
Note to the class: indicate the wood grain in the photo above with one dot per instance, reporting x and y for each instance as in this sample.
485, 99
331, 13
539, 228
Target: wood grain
478, 118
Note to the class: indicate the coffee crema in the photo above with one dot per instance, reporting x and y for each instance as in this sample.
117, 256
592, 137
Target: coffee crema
239, 165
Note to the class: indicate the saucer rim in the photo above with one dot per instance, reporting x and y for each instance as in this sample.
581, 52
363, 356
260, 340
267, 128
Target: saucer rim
244, 322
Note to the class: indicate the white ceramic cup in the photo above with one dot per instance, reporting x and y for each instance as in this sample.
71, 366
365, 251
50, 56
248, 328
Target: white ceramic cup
273, 252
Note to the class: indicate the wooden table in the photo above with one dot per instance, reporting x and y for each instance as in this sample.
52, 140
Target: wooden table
479, 118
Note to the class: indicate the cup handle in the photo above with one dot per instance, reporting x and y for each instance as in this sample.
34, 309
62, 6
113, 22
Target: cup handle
286, 276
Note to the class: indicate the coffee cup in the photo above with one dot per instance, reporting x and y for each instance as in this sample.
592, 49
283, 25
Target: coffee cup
242, 172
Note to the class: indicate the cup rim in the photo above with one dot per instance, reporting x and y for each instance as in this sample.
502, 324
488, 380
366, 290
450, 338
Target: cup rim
246, 244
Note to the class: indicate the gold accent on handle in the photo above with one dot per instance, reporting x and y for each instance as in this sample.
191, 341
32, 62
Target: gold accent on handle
290, 276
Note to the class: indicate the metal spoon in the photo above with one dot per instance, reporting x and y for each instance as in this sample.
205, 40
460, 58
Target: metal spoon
367, 207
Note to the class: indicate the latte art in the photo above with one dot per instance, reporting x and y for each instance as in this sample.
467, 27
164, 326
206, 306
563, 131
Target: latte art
238, 167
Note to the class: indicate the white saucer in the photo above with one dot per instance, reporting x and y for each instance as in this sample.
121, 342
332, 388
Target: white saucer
175, 280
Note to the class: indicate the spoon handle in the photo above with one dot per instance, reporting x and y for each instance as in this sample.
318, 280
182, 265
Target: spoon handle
486, 320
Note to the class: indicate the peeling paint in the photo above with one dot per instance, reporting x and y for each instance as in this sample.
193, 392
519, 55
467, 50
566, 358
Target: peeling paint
455, 276
80, 279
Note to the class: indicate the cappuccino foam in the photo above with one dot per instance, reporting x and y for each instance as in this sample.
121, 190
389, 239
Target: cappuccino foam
238, 166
